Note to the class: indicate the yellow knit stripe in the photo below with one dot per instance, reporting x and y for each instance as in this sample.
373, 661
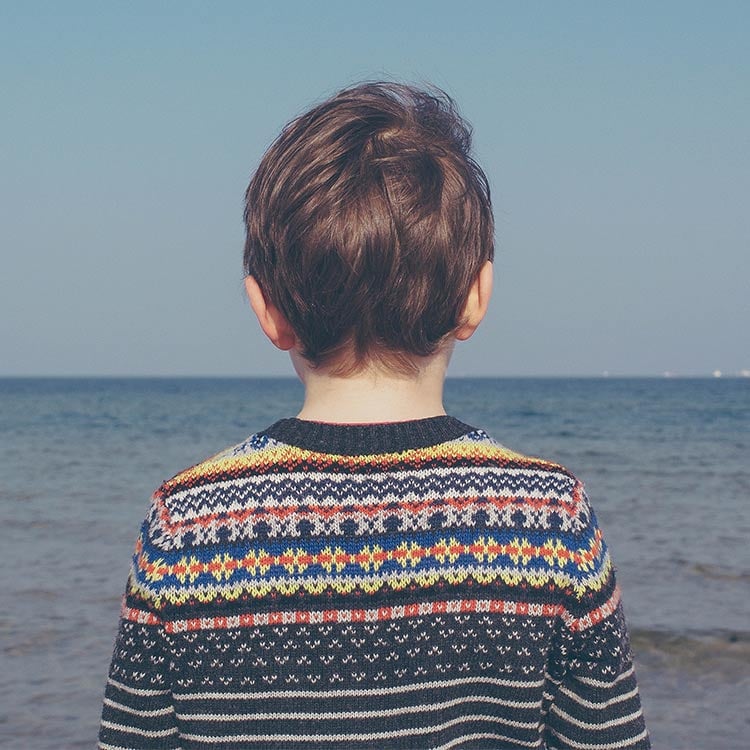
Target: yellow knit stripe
289, 456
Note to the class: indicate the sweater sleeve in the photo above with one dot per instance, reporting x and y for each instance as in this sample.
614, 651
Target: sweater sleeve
595, 702
137, 711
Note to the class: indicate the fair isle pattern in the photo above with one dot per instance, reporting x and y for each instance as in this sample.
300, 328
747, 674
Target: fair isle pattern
354, 504
417, 585
379, 613
371, 615
258, 572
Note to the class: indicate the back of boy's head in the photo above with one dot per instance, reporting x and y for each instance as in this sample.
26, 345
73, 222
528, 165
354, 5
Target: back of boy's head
367, 221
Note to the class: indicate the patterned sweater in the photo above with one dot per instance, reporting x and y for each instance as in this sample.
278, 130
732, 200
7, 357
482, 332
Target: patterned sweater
392, 585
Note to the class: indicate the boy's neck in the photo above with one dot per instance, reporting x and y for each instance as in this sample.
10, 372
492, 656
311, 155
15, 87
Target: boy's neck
373, 396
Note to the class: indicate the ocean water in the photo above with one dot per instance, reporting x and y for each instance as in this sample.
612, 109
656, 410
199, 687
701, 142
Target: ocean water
666, 463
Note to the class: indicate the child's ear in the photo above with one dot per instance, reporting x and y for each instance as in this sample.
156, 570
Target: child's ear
477, 302
271, 319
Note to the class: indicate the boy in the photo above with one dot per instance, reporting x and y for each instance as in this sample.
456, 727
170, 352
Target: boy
372, 572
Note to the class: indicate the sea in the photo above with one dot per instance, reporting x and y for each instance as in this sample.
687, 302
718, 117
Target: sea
665, 461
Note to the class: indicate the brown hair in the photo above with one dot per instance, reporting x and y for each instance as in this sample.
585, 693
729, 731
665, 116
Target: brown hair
367, 222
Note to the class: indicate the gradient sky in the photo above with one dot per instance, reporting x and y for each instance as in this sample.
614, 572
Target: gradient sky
616, 137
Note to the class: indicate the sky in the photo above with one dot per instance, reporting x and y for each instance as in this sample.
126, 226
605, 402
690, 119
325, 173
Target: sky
615, 136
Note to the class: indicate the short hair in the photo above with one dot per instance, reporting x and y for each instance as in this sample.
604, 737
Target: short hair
367, 221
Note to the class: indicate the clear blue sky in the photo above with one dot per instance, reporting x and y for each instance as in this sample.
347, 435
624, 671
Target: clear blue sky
616, 137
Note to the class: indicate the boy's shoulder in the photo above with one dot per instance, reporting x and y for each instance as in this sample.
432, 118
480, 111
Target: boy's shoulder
262, 487
261, 456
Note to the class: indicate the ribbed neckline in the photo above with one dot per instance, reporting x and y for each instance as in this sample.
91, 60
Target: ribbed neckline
367, 438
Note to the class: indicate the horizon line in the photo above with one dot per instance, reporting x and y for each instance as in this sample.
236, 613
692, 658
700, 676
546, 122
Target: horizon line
669, 375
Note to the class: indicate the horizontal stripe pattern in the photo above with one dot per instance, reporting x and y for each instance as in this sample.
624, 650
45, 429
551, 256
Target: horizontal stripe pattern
365, 504
259, 572
137, 717
250, 619
280, 617
412, 714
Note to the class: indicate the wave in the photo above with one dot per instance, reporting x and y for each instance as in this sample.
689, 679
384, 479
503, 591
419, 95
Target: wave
724, 654
719, 573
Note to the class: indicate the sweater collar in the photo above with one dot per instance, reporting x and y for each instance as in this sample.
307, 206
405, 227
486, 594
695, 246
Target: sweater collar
367, 438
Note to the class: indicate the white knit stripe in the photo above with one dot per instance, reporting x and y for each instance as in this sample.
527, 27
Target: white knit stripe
359, 691
600, 683
135, 691
617, 745
597, 725
137, 712
601, 704
363, 737
138, 730
457, 741
107, 746
326, 480
315, 716
553, 680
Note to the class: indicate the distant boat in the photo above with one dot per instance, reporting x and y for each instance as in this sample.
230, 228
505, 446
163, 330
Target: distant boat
717, 373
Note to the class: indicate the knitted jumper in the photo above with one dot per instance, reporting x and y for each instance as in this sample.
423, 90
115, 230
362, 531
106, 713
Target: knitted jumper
392, 585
